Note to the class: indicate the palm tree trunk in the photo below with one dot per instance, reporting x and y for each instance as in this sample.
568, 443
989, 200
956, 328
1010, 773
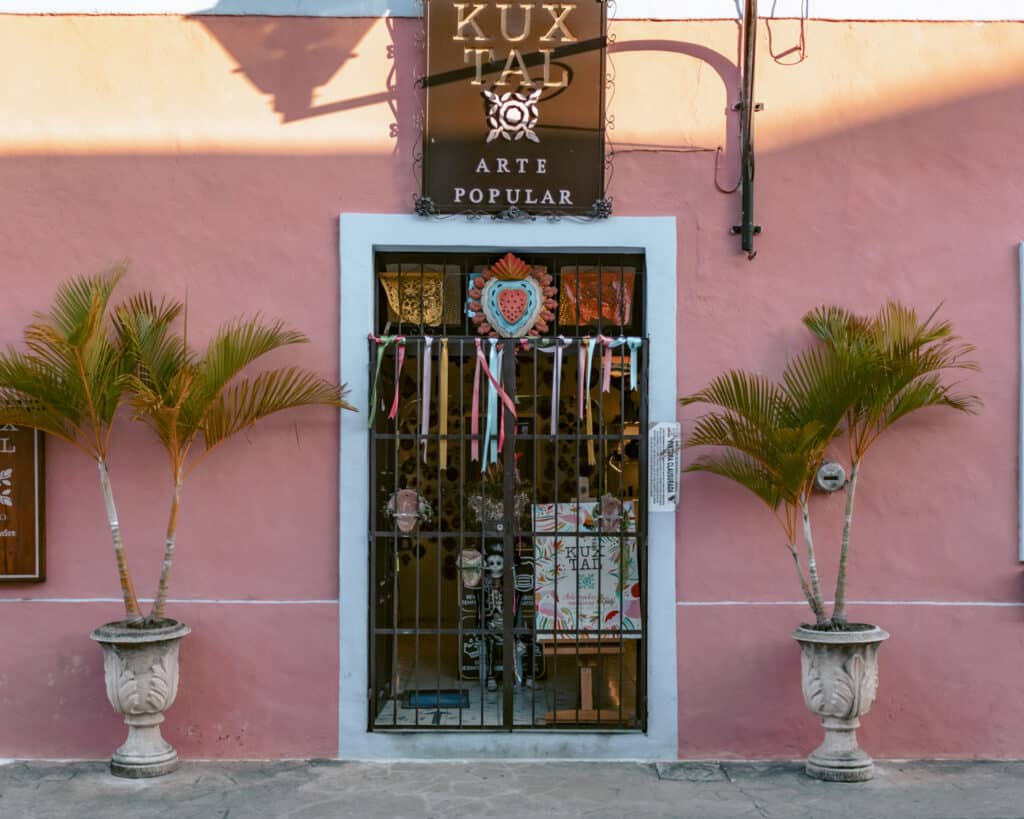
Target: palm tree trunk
160, 603
131, 602
812, 564
818, 613
839, 609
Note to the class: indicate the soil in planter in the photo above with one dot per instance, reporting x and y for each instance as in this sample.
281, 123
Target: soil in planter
147, 624
833, 627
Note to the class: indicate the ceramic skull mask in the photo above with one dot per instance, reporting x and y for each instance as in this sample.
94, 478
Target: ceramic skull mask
408, 508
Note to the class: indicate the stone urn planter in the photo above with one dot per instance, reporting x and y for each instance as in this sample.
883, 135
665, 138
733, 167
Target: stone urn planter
840, 678
140, 667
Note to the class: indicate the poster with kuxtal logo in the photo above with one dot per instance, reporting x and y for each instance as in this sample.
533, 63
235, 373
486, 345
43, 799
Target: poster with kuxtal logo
587, 571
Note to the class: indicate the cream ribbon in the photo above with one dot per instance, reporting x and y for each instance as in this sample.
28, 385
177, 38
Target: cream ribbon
443, 409
428, 343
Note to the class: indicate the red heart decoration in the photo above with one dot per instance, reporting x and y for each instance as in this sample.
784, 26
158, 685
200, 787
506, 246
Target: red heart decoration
512, 303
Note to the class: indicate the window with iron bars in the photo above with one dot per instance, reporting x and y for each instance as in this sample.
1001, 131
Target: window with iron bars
507, 530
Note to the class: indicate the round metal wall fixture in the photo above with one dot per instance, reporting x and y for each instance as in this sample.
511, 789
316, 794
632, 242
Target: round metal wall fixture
831, 477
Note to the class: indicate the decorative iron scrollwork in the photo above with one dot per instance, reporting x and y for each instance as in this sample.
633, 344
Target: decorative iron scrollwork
425, 206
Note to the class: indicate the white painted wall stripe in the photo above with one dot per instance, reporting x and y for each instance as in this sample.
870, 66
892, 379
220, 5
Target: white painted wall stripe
941, 603
935, 10
683, 603
189, 600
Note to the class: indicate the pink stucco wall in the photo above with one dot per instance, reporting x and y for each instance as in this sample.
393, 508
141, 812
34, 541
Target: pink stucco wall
216, 154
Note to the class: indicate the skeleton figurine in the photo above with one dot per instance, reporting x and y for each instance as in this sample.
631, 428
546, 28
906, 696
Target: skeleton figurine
493, 610
524, 584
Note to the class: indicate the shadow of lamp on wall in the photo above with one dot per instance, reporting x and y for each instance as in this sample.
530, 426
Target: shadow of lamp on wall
289, 58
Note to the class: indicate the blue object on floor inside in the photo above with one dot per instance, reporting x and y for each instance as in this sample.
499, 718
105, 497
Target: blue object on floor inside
445, 698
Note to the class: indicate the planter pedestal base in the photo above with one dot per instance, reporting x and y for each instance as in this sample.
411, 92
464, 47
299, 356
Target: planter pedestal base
140, 667
839, 758
839, 671
145, 752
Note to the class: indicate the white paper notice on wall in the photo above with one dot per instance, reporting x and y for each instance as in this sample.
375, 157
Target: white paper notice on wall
663, 445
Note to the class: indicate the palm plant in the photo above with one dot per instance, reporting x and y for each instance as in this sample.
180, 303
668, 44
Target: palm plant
70, 383
904, 359
771, 438
85, 361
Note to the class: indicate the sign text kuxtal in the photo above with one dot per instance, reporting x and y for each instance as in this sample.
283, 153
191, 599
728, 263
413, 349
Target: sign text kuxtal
515, 106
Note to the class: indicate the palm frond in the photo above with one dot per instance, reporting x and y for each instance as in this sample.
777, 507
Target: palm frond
80, 305
820, 385
899, 361
19, 410
158, 355
69, 380
833, 324
748, 395
247, 401
928, 391
744, 471
238, 344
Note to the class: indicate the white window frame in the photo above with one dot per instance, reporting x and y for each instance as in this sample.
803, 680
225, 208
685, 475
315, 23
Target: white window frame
363, 235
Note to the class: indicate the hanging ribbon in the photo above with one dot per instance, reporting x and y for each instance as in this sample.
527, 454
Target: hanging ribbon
474, 424
591, 453
634, 350
443, 409
400, 341
499, 445
491, 401
609, 344
428, 343
555, 346
606, 361
492, 406
383, 342
496, 392
580, 370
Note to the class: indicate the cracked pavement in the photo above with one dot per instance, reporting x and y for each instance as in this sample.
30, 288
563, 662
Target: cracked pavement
511, 790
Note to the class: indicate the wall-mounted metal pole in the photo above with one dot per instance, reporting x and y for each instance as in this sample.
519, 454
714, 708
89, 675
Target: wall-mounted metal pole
746, 106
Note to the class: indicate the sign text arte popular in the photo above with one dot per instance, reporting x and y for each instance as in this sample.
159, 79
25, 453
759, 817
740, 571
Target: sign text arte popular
515, 107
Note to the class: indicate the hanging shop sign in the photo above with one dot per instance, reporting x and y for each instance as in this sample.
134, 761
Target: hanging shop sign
22, 542
514, 108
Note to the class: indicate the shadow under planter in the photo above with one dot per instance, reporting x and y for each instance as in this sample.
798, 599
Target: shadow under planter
140, 667
839, 671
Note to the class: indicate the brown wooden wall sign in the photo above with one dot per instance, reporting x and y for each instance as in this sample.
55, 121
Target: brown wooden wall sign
515, 107
22, 513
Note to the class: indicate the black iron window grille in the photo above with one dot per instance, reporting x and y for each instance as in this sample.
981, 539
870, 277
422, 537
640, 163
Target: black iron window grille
507, 528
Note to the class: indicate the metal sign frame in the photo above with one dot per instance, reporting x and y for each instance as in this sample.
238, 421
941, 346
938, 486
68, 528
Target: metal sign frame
515, 109
22, 557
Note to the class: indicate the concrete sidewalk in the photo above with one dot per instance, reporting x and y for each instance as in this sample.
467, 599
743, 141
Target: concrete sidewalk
553, 790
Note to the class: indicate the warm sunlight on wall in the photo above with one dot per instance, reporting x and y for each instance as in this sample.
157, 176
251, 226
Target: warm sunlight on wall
166, 84
674, 81
250, 85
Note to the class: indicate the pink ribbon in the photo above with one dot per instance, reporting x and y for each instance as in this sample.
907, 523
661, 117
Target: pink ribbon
474, 428
481, 362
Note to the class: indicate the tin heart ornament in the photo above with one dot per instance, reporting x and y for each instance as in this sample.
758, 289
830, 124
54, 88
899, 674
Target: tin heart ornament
512, 299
